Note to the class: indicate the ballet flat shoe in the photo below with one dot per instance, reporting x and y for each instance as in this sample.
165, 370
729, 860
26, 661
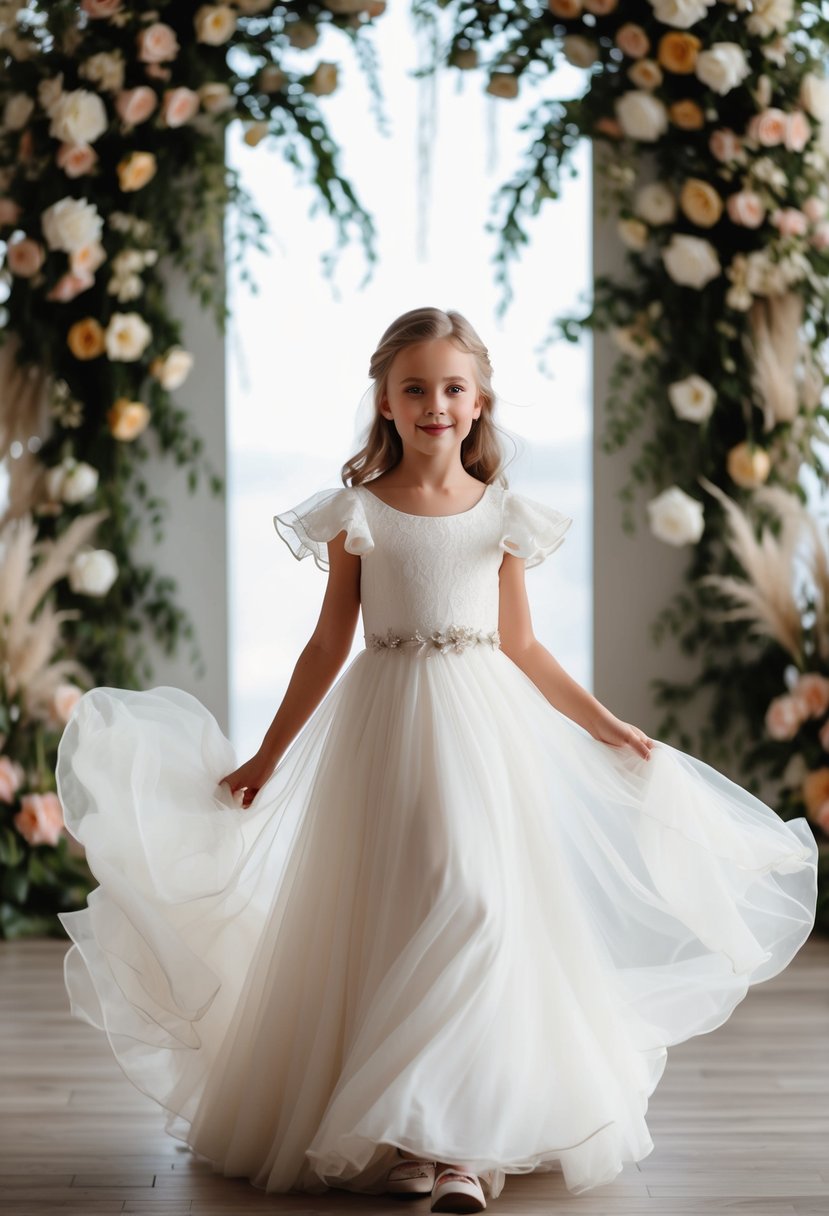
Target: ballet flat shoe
411, 1178
457, 1191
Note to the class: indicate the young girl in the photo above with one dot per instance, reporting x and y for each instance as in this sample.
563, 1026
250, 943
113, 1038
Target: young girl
444, 925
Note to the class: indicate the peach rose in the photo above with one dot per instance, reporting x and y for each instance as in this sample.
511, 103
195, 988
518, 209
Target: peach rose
632, 40
646, 74
40, 819
798, 131
686, 115
789, 221
748, 466
76, 159
11, 778
157, 43
812, 693
179, 106
98, 10
677, 52
86, 339
127, 419
10, 211
745, 208
135, 170
136, 105
814, 208
700, 202
566, 9
87, 259
768, 127
24, 257
784, 718
70, 285
815, 790
725, 145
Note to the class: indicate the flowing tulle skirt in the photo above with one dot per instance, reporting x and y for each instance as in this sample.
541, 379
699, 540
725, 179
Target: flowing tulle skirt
452, 921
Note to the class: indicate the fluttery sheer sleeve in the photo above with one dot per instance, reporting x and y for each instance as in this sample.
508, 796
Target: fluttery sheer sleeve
307, 527
531, 529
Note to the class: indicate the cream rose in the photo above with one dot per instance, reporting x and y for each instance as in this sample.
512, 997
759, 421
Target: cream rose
78, 117
214, 24
675, 517
216, 96
641, 115
48, 92
681, 14
106, 70
722, 67
769, 17
634, 233
17, 111
172, 368
814, 96
646, 74
748, 466
78, 481
655, 204
40, 819
127, 336
92, 572
692, 398
127, 419
691, 260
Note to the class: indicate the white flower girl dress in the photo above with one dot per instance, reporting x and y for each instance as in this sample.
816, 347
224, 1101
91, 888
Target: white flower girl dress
452, 920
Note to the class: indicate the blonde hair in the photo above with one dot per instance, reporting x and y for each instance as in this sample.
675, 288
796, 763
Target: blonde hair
481, 452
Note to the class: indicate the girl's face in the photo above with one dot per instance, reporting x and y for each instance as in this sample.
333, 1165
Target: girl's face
432, 395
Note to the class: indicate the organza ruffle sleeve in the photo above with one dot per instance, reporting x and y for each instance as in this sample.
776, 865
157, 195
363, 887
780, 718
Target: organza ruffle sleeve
308, 527
530, 529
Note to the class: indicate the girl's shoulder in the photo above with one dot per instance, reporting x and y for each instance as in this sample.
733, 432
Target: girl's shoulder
307, 527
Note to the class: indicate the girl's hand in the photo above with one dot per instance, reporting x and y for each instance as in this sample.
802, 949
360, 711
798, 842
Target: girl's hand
611, 730
250, 777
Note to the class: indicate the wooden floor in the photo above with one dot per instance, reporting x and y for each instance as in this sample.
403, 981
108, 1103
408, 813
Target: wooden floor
740, 1119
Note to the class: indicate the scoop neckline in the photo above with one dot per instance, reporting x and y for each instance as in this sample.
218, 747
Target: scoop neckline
411, 515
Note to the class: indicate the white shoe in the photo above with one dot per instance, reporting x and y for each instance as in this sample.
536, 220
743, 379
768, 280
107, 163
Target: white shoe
457, 1191
411, 1178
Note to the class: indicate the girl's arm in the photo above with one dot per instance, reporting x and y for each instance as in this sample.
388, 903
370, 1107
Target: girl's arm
314, 672
520, 644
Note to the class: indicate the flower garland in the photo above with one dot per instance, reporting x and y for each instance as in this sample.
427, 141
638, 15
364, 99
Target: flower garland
710, 121
101, 104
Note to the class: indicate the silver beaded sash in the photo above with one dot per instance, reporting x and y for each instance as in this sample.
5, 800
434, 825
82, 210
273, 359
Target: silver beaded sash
455, 637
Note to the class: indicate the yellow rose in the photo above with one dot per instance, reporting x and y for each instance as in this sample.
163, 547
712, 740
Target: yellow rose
135, 170
748, 466
678, 52
700, 202
127, 418
686, 115
86, 339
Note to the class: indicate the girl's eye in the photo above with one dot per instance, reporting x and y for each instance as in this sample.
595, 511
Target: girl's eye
459, 387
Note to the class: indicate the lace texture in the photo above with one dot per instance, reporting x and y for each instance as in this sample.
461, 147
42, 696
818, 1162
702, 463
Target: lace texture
455, 638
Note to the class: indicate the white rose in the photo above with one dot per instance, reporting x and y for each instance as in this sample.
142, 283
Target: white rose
655, 203
634, 234
641, 115
71, 224
127, 336
579, 51
106, 70
53, 480
17, 111
80, 481
635, 341
681, 14
722, 67
769, 17
814, 97
691, 260
692, 398
78, 117
214, 23
675, 517
173, 368
93, 572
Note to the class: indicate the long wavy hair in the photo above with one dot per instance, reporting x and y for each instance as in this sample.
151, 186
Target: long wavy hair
481, 451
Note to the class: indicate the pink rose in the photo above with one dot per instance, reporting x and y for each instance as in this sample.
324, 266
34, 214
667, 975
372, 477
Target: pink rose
179, 106
812, 692
814, 208
40, 818
11, 778
632, 41
76, 159
798, 131
745, 208
70, 285
10, 212
789, 221
725, 145
157, 43
783, 717
136, 105
64, 700
97, 10
768, 127
24, 257
157, 72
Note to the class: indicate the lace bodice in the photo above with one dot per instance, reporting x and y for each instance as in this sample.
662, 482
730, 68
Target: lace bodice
425, 574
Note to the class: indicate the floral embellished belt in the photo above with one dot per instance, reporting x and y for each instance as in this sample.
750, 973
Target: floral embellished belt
455, 637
